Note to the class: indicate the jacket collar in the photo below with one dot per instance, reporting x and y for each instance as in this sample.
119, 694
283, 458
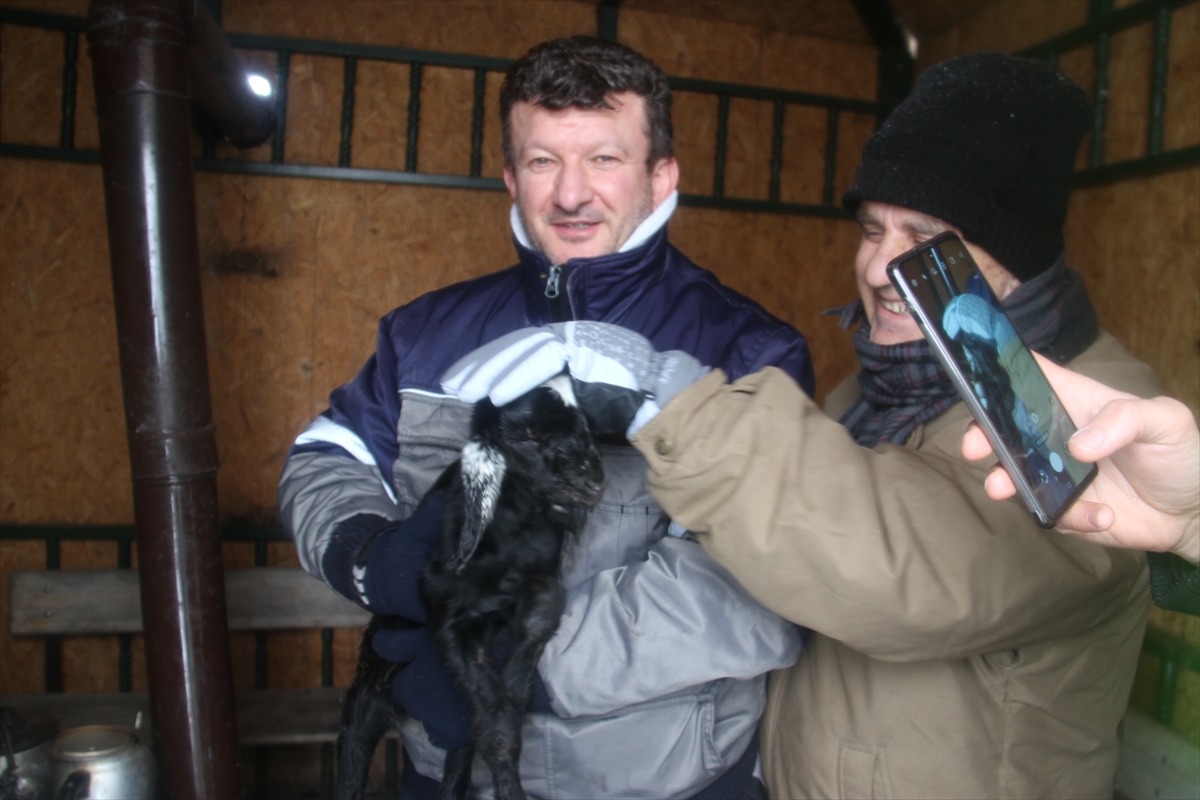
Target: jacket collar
597, 286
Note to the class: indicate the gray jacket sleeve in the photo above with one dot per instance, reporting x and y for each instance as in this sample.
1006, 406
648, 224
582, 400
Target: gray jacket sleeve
321, 487
660, 625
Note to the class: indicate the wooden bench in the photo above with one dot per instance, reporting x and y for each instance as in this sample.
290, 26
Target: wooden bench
50, 603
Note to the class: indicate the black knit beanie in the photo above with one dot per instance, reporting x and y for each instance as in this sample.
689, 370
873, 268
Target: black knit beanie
987, 143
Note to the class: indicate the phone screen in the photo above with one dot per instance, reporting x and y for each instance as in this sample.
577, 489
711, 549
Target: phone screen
994, 371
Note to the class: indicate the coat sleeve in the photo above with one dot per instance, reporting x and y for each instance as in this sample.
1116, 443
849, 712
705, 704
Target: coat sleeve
789, 352
630, 634
896, 552
341, 467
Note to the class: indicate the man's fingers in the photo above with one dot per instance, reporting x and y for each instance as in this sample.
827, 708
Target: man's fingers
999, 485
975, 444
1082, 396
1125, 420
1086, 517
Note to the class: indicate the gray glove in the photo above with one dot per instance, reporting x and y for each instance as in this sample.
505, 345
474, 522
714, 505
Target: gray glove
621, 382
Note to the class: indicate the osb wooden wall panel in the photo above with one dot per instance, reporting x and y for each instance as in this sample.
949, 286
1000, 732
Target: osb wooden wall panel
296, 275
31, 72
63, 454
794, 266
784, 263
1137, 245
1005, 26
62, 423
502, 28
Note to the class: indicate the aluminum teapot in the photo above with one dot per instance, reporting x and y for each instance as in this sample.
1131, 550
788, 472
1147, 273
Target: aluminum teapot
103, 762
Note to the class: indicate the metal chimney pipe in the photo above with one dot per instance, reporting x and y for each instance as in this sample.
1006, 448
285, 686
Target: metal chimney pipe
219, 83
140, 55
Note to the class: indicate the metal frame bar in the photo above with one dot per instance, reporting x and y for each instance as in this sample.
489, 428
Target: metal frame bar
1158, 80
831, 136
349, 80
414, 116
1100, 25
776, 151
607, 19
285, 47
1098, 9
283, 69
722, 141
477, 109
70, 74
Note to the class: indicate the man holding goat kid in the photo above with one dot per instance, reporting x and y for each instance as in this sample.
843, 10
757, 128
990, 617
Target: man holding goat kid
655, 681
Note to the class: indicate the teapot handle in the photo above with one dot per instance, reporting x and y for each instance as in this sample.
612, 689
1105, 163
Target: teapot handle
76, 786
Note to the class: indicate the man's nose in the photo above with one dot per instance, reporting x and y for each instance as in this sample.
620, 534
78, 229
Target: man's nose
573, 189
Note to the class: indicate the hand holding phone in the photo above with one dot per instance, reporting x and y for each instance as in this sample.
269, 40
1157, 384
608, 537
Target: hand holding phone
994, 372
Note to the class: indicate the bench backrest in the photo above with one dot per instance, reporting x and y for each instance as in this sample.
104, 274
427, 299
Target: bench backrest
100, 601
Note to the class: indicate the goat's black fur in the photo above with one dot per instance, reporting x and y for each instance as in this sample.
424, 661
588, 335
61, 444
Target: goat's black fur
514, 500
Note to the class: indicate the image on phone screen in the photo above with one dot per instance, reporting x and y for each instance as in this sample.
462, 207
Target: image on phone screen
943, 283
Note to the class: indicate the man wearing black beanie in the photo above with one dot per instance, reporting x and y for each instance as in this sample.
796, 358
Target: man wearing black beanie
958, 650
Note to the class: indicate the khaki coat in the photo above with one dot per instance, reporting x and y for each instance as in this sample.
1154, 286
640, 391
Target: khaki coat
959, 650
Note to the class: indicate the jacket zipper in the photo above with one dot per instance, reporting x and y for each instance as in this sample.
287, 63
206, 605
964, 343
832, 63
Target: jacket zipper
560, 302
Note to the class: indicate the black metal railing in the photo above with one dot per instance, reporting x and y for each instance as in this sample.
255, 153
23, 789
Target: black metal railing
1103, 23
284, 48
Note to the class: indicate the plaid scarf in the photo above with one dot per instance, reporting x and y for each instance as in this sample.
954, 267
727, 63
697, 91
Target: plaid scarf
904, 385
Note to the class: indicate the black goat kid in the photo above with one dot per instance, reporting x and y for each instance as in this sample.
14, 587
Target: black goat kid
514, 501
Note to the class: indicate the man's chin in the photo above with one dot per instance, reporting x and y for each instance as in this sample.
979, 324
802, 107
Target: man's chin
887, 337
891, 332
561, 252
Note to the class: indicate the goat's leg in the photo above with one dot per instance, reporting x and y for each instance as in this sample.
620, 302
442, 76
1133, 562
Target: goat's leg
456, 774
538, 613
464, 643
498, 734
366, 715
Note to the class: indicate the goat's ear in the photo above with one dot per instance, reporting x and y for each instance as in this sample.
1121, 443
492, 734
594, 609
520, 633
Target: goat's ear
482, 473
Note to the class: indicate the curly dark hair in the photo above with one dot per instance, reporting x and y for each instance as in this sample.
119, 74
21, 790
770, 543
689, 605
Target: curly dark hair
582, 71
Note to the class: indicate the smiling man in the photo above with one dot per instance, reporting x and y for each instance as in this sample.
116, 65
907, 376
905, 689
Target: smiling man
957, 649
655, 681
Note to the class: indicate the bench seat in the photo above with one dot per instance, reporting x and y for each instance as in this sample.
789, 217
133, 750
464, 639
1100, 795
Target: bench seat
263, 716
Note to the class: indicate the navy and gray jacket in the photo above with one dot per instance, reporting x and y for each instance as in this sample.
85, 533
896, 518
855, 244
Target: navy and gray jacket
656, 675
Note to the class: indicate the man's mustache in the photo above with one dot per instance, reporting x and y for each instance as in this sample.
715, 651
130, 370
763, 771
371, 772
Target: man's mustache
581, 215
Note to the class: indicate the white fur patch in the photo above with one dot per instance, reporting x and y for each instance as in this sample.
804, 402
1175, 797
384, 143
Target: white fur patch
561, 384
482, 473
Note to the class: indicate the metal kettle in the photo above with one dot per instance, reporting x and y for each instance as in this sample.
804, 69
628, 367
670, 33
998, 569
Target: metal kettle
103, 762
25, 751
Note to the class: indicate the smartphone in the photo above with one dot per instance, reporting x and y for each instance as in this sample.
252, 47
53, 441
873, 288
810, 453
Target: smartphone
994, 372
